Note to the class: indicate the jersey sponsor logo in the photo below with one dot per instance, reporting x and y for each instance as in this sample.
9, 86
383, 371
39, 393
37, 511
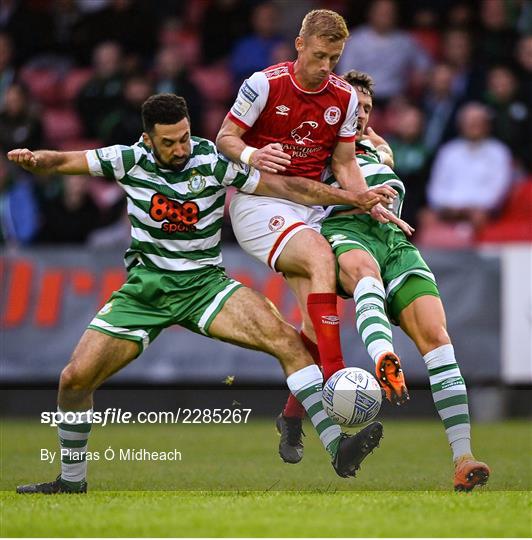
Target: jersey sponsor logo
301, 134
330, 319
332, 115
248, 92
276, 223
282, 110
176, 217
240, 168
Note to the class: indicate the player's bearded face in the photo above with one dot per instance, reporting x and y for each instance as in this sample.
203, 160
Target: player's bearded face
170, 144
316, 59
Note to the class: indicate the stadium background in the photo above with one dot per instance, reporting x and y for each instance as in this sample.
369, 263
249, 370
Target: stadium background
73, 74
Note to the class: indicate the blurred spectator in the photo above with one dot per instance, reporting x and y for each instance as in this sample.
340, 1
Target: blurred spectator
425, 31
411, 158
440, 106
30, 26
7, 71
524, 61
283, 52
292, 13
20, 126
70, 214
496, 41
255, 52
127, 22
19, 212
389, 54
471, 174
468, 79
102, 93
225, 22
512, 116
460, 15
171, 76
124, 125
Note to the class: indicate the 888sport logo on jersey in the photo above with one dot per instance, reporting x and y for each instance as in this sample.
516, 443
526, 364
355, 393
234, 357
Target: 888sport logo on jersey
176, 217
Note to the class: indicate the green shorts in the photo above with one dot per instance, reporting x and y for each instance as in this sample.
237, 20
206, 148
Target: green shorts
152, 300
397, 259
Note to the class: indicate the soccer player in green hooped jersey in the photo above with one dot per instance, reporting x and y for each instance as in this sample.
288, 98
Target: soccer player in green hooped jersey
389, 280
175, 186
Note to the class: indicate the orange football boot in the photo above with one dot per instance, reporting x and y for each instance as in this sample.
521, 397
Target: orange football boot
469, 472
391, 378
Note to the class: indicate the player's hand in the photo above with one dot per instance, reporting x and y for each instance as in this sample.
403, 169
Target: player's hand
383, 215
23, 157
371, 136
381, 194
270, 158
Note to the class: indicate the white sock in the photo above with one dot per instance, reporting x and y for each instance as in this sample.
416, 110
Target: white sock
450, 397
371, 320
306, 385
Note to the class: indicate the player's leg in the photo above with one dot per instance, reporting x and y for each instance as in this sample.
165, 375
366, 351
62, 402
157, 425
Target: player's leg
308, 257
247, 319
422, 317
359, 276
120, 331
96, 357
280, 234
289, 422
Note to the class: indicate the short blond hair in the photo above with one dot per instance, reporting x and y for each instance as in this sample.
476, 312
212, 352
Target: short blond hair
324, 23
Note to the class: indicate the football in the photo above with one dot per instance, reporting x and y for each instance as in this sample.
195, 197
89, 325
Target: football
352, 396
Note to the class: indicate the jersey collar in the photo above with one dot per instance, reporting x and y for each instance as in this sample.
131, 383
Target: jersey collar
299, 87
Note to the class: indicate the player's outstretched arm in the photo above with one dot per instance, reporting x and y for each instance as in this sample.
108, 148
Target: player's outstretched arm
270, 158
304, 191
49, 161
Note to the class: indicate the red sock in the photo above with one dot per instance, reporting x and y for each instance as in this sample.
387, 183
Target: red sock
293, 407
324, 316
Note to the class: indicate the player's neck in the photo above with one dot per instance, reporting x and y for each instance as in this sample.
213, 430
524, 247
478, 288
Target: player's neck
302, 81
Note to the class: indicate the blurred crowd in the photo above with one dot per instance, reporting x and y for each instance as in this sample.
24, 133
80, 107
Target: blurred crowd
453, 82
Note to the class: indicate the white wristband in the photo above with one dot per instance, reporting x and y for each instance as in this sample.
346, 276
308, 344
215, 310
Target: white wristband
246, 154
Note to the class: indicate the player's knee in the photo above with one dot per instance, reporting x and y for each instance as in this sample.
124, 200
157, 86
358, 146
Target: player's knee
73, 380
435, 336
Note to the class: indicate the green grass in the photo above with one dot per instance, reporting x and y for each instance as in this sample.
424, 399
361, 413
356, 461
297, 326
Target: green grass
231, 482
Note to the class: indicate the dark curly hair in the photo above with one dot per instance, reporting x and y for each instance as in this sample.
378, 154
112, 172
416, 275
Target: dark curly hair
360, 80
163, 109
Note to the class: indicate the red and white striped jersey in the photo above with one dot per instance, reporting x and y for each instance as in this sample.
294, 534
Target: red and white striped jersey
273, 107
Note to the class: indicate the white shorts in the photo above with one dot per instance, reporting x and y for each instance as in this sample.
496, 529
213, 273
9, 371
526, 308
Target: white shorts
263, 225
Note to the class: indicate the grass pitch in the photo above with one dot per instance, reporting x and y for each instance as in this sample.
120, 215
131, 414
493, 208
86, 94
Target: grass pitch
231, 482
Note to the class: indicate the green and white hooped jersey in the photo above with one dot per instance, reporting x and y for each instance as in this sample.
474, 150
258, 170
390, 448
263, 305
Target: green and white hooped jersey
375, 173
176, 217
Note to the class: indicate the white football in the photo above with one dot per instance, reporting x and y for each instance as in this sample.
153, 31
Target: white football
352, 396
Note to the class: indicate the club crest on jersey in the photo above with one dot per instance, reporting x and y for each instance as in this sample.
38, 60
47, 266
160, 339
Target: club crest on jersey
106, 309
301, 134
332, 115
196, 184
276, 223
282, 110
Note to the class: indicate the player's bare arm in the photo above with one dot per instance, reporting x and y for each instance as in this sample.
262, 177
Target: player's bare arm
270, 158
346, 169
308, 192
49, 161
